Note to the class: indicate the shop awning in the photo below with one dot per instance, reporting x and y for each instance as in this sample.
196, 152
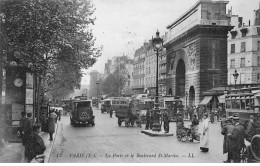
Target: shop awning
255, 91
258, 94
206, 100
221, 99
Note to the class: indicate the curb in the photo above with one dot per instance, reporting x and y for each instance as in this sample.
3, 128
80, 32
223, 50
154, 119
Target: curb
156, 134
47, 158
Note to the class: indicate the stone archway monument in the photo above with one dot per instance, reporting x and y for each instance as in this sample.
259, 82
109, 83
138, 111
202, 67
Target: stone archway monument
196, 46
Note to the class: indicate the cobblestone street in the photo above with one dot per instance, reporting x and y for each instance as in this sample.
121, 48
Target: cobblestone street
107, 142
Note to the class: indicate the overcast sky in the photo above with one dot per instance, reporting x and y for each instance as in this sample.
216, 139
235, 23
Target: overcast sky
122, 26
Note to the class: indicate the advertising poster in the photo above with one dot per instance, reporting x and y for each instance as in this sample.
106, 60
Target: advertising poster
29, 96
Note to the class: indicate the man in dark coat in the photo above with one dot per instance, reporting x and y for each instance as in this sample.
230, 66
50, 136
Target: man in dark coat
166, 122
250, 130
148, 119
28, 129
110, 110
36, 144
227, 146
21, 127
237, 137
194, 128
51, 124
179, 123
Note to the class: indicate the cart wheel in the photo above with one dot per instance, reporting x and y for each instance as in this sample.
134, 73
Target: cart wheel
184, 138
127, 124
119, 122
132, 123
244, 155
178, 137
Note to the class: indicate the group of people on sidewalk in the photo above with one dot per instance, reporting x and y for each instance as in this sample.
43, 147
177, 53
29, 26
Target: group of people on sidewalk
235, 135
202, 135
29, 133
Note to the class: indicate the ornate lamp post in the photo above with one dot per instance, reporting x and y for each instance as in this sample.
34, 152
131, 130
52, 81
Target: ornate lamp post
97, 89
186, 96
157, 46
235, 77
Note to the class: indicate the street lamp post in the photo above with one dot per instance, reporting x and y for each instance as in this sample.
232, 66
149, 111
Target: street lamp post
235, 77
97, 90
186, 96
157, 46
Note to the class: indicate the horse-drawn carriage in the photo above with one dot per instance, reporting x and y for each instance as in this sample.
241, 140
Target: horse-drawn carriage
128, 113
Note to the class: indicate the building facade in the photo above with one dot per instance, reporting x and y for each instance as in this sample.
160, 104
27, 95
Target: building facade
244, 54
107, 68
139, 70
163, 75
196, 48
93, 86
150, 69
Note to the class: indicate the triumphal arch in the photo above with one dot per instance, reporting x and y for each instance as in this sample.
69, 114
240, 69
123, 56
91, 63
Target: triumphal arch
196, 47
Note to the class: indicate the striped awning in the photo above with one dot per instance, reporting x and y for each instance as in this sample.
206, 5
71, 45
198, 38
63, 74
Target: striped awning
206, 100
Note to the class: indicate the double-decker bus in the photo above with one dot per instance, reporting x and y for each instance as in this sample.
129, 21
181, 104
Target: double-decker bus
244, 102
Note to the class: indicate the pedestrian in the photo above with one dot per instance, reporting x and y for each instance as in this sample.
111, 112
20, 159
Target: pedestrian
37, 145
200, 113
227, 146
151, 119
148, 119
211, 116
28, 129
44, 123
110, 110
250, 130
166, 122
237, 137
194, 128
204, 140
51, 124
21, 127
179, 123
190, 110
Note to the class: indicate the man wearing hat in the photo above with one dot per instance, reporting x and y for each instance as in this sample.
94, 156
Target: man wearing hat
21, 127
227, 146
237, 137
179, 123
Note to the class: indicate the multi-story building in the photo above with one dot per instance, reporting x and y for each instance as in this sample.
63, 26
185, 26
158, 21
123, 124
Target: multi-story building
163, 75
127, 90
139, 70
150, 69
107, 68
244, 52
93, 88
120, 62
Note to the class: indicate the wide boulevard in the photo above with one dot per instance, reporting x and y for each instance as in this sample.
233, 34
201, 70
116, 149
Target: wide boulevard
106, 142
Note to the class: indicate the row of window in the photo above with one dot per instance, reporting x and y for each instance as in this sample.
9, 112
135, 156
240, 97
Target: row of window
242, 49
139, 65
241, 104
242, 62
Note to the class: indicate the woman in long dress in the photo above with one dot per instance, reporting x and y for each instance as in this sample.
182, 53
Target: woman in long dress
204, 141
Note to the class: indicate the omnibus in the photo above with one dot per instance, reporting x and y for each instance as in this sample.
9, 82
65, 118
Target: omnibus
115, 102
171, 104
244, 102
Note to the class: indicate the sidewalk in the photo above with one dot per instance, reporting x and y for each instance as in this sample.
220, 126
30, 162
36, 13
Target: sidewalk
14, 152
